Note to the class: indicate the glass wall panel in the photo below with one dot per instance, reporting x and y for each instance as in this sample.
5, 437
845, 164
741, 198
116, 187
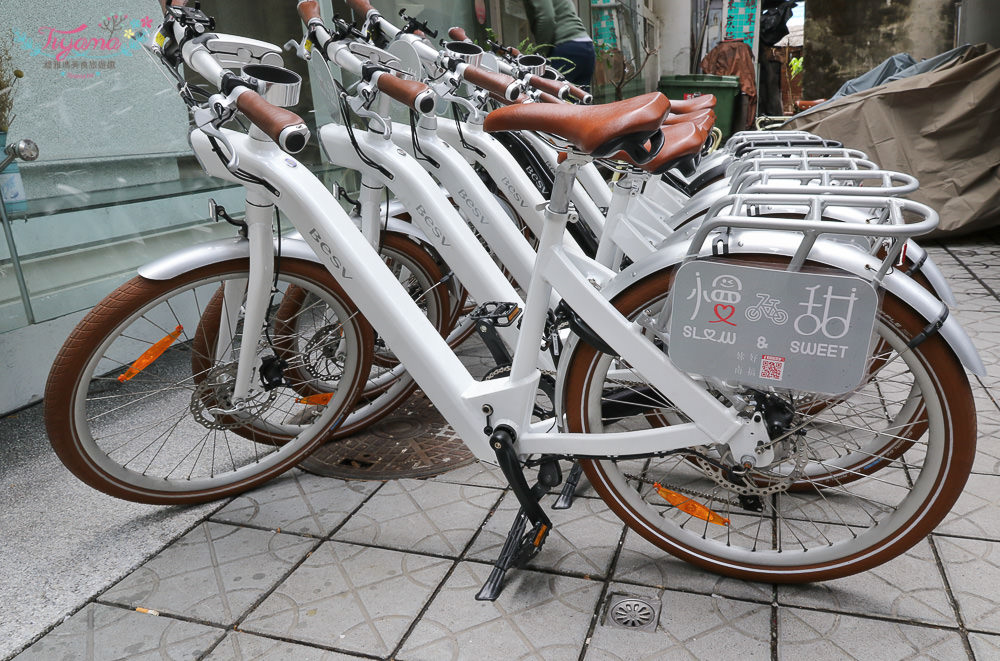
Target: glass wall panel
12, 310
115, 185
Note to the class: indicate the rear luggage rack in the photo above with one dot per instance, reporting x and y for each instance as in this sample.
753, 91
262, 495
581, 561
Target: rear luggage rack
887, 229
737, 168
805, 152
827, 182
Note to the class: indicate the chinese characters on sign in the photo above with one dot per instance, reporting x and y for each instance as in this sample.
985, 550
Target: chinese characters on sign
766, 327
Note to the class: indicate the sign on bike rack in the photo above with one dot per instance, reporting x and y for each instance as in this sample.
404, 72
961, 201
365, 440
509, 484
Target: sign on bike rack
765, 327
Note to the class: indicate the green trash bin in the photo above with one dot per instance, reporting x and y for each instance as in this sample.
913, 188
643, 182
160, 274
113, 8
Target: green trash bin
725, 88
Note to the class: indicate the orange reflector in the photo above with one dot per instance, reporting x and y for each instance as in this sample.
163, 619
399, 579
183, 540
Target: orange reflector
151, 354
685, 504
321, 399
540, 536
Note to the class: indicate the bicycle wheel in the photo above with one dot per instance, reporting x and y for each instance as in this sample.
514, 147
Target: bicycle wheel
415, 269
134, 411
388, 384
814, 514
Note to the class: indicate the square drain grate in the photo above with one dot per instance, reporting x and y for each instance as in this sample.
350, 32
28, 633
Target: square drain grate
629, 611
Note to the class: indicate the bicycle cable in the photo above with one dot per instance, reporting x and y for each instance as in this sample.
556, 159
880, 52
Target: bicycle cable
418, 153
242, 175
346, 113
461, 134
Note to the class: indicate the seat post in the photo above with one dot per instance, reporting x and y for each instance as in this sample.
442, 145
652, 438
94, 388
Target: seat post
539, 290
563, 183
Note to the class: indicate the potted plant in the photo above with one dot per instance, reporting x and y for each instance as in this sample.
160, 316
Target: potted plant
11, 186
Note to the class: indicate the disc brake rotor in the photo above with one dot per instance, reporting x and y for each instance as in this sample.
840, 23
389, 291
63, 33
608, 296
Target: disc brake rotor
215, 391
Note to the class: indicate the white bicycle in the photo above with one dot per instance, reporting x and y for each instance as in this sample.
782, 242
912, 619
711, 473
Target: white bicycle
708, 468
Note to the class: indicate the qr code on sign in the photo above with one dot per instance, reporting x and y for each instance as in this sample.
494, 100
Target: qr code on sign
772, 367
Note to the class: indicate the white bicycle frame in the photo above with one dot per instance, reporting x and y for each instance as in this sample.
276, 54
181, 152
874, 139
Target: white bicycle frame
465, 403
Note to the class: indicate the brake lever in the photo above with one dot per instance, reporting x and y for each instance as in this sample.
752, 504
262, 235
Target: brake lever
302, 51
476, 116
210, 118
412, 25
359, 106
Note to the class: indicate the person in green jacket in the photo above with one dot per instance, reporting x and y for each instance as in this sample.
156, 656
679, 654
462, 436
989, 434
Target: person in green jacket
555, 22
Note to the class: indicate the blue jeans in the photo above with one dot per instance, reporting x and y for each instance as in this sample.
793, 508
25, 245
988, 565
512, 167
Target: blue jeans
579, 70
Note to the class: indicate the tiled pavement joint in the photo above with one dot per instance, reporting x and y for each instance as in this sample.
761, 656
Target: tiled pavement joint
774, 623
296, 565
962, 630
595, 620
115, 580
974, 275
987, 390
448, 574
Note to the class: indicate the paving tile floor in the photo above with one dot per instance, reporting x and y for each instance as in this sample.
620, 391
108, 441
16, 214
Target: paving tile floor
318, 568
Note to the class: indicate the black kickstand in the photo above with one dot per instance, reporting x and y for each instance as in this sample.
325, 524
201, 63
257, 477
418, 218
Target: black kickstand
568, 493
494, 584
520, 546
518, 550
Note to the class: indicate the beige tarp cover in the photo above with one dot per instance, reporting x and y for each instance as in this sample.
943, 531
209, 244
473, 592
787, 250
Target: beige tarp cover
942, 127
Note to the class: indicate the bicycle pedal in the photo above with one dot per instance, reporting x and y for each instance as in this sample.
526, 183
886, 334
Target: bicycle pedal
496, 313
531, 544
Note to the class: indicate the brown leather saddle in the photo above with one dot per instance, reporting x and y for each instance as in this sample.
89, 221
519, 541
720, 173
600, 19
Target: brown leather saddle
632, 126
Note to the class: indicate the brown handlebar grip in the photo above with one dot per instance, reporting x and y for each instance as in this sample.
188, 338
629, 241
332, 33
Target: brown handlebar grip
581, 95
360, 6
499, 83
545, 97
308, 10
283, 126
457, 34
411, 93
554, 87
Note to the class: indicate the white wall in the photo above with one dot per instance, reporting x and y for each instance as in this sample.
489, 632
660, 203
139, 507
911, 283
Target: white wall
675, 35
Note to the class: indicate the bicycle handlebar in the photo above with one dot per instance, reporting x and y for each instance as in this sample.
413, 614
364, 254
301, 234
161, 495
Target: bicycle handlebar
457, 34
581, 95
411, 93
556, 88
308, 10
283, 126
500, 84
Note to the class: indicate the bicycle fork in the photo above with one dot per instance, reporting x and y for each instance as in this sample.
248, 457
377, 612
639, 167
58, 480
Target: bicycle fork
259, 216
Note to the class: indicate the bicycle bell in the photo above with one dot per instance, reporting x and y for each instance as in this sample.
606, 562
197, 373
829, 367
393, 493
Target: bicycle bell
531, 64
278, 85
465, 52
